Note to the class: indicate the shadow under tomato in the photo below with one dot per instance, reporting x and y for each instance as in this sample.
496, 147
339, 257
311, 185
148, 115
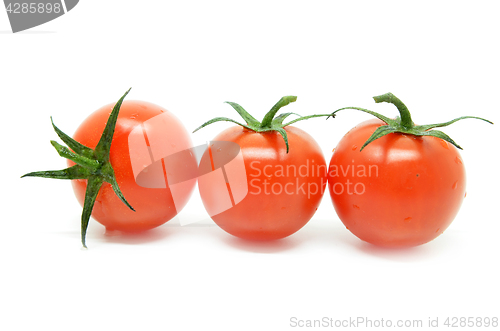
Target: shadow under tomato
145, 237
263, 247
426, 251
97, 234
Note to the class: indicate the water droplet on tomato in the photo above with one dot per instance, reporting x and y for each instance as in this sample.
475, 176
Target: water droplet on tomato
354, 147
355, 206
458, 160
455, 185
444, 143
407, 219
437, 230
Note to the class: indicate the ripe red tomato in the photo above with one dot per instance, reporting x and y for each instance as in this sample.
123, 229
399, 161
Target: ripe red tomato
284, 189
283, 186
160, 134
394, 183
401, 190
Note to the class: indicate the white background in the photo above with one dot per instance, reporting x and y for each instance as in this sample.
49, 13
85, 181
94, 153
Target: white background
440, 57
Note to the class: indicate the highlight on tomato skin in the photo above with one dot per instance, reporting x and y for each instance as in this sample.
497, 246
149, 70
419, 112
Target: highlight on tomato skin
394, 183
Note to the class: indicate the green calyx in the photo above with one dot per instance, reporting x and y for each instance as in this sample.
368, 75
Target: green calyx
270, 122
404, 123
91, 164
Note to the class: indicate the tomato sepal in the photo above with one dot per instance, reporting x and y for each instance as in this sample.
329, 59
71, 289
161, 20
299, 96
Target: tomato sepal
269, 123
94, 184
91, 164
74, 145
404, 123
81, 160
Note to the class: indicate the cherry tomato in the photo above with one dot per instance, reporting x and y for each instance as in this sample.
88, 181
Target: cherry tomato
283, 181
163, 135
284, 189
394, 183
401, 190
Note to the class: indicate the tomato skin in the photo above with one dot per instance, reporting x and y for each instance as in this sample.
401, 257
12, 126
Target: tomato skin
409, 188
271, 209
153, 206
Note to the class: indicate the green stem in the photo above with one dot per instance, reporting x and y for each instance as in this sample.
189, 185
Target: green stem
268, 119
403, 123
269, 123
406, 121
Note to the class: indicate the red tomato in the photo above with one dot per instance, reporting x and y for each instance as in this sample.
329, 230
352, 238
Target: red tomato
400, 190
284, 189
153, 202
